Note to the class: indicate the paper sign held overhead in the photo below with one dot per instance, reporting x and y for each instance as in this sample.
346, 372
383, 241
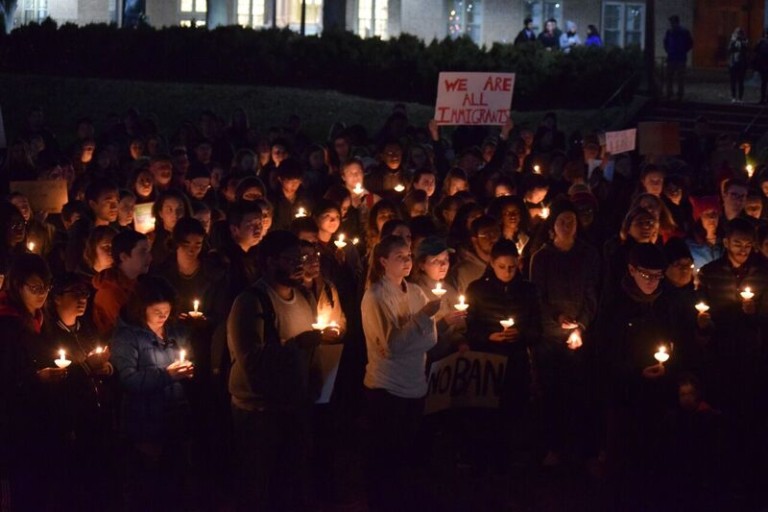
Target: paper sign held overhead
474, 98
621, 142
44, 196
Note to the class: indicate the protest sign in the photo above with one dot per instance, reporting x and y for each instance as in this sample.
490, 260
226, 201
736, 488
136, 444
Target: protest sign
620, 142
474, 98
143, 221
469, 379
658, 138
324, 367
44, 196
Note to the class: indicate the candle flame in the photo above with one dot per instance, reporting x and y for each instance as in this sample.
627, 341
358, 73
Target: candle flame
196, 305
31, 246
355, 241
537, 169
182, 355
62, 354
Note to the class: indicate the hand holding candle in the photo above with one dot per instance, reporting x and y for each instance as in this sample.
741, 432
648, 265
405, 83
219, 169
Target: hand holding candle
62, 361
750, 170
182, 368
438, 291
574, 340
320, 325
747, 302
97, 358
195, 313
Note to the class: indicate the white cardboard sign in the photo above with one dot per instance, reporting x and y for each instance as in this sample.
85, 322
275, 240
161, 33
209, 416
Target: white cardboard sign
469, 379
474, 98
621, 142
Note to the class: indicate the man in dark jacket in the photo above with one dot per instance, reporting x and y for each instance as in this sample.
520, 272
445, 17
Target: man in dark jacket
677, 43
271, 341
527, 35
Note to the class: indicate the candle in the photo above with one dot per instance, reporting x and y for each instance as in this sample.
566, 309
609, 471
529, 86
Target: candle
196, 313
462, 305
574, 339
31, 246
438, 290
701, 307
506, 324
399, 188
747, 294
355, 241
340, 243
301, 212
750, 170
544, 212
320, 324
537, 169
358, 189
62, 361
183, 361
98, 350
662, 356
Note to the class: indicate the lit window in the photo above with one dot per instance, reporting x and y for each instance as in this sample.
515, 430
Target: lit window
623, 24
250, 13
372, 18
193, 6
465, 17
34, 11
542, 10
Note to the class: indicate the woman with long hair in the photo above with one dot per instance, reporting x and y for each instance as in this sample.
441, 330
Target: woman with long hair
399, 328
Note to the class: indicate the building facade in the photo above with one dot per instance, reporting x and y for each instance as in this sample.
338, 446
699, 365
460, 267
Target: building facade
620, 22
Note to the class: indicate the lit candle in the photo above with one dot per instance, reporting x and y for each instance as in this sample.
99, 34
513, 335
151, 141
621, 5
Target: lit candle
438, 290
62, 361
320, 324
544, 212
196, 313
98, 350
340, 243
701, 307
506, 324
462, 305
662, 356
747, 294
358, 189
399, 188
183, 361
31, 246
301, 212
355, 241
537, 169
750, 170
574, 339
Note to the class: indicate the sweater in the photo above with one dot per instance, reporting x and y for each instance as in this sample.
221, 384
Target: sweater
113, 289
397, 336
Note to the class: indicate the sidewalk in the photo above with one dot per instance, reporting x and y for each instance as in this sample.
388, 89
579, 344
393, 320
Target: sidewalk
713, 86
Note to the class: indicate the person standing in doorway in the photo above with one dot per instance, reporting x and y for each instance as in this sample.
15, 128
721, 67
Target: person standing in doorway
677, 43
737, 63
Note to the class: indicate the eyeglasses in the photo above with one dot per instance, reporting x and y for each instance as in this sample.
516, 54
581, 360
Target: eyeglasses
18, 226
38, 289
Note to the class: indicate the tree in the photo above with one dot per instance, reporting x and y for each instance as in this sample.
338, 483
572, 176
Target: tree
7, 11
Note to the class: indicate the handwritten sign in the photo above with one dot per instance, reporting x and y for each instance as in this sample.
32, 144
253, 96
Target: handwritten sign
469, 379
658, 138
143, 220
620, 142
474, 98
44, 195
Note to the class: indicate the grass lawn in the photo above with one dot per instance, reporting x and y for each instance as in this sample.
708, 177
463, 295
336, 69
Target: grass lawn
66, 99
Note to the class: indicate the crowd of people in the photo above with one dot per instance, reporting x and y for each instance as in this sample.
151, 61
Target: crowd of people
552, 38
174, 369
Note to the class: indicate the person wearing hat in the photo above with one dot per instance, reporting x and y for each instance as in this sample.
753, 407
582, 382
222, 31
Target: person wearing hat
681, 298
629, 331
566, 272
570, 37
432, 262
82, 403
705, 241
